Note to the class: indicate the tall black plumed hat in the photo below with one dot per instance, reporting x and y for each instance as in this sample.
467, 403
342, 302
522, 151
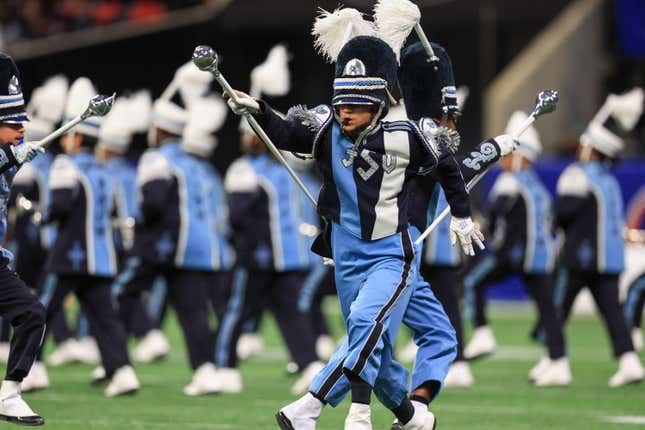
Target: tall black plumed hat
365, 72
426, 92
12, 102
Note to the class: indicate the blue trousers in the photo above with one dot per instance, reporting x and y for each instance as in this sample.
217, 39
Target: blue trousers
432, 332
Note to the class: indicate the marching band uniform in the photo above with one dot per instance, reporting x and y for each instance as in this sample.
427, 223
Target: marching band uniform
18, 305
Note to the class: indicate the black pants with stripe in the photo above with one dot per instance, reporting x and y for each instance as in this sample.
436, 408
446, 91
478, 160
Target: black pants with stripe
187, 292
58, 326
278, 292
489, 269
446, 285
635, 301
318, 283
95, 298
20, 308
219, 292
604, 289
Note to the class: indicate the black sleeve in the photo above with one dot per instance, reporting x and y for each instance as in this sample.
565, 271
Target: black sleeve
63, 201
448, 174
567, 210
479, 159
154, 198
288, 134
7, 159
500, 209
239, 207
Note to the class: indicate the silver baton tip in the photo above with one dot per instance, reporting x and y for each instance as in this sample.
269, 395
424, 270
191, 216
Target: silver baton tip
99, 105
205, 58
545, 102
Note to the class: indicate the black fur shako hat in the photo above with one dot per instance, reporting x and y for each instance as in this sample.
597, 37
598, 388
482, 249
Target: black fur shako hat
12, 102
426, 92
365, 72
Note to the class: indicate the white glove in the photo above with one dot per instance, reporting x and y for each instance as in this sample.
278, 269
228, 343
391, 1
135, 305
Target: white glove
328, 262
467, 232
26, 152
506, 144
244, 104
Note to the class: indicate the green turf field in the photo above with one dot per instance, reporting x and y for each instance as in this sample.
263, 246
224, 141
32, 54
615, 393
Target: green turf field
501, 399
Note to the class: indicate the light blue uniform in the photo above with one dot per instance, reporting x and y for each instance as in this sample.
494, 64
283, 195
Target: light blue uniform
220, 227
434, 336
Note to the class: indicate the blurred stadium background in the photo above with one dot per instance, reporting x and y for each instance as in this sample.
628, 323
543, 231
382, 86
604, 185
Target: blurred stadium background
503, 50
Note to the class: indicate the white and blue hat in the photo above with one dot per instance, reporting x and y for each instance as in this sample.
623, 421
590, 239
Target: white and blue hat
12, 102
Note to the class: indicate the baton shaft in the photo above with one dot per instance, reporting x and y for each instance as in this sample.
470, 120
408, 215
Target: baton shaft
265, 138
59, 132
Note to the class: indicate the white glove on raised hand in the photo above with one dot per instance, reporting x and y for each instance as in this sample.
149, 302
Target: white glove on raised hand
244, 104
506, 144
26, 152
467, 232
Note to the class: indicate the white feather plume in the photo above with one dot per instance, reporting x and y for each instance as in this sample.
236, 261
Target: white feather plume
140, 108
272, 77
462, 95
117, 123
79, 96
190, 82
207, 115
330, 30
627, 108
48, 101
395, 20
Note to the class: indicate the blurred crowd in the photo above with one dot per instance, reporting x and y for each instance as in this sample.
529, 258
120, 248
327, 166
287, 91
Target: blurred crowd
28, 19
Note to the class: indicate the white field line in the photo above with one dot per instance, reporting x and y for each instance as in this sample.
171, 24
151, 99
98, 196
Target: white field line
151, 424
624, 419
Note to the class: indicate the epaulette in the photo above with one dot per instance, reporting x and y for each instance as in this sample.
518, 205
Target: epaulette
153, 166
64, 173
316, 120
573, 182
241, 177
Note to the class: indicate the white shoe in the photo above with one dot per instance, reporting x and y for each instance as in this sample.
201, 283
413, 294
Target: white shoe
409, 353
98, 375
556, 374
292, 368
230, 380
637, 339
5, 347
124, 381
65, 353
302, 384
630, 370
422, 419
37, 379
482, 343
301, 414
154, 346
205, 381
539, 368
325, 347
14, 409
359, 417
249, 345
87, 351
459, 376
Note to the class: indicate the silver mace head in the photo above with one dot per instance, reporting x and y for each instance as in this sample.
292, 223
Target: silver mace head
205, 58
99, 106
545, 102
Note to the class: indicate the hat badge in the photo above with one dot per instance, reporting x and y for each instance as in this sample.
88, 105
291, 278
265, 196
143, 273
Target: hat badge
14, 86
354, 67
